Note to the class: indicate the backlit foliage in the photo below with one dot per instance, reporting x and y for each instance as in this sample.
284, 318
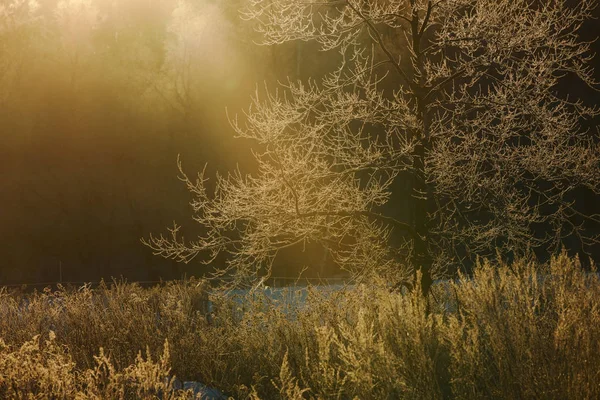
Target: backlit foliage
45, 370
455, 104
518, 331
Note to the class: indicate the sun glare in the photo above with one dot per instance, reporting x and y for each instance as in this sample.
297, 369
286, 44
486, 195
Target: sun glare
200, 38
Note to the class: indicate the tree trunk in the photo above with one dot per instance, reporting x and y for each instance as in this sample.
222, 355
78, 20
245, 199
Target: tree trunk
421, 192
421, 259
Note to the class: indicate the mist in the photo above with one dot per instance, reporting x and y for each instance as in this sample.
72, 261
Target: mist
97, 100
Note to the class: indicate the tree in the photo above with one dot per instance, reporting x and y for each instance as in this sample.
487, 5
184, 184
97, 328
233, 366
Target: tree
448, 109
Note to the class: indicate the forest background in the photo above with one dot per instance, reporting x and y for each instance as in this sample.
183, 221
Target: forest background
97, 99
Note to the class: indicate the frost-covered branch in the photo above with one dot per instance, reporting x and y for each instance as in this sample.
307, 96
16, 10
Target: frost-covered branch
451, 108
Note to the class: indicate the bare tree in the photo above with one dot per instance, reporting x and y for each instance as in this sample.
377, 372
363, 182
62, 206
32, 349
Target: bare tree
456, 99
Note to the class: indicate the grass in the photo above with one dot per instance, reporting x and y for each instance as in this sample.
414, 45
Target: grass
522, 331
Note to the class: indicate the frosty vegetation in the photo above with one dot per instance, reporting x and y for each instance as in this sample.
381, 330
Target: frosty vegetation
451, 108
507, 332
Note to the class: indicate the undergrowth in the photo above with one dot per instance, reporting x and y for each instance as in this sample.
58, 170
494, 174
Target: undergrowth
523, 330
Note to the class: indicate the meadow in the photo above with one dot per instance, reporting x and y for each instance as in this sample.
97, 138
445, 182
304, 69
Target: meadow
518, 331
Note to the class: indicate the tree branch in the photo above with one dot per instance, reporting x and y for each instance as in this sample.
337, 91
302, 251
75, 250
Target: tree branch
379, 41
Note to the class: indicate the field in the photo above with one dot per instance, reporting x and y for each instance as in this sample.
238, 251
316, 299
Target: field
519, 331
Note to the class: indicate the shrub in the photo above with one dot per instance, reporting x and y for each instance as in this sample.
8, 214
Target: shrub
45, 370
523, 330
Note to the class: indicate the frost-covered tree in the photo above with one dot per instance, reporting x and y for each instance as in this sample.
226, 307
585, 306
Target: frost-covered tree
450, 108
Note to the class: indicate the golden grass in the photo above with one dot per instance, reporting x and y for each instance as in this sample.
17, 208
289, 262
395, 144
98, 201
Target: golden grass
520, 331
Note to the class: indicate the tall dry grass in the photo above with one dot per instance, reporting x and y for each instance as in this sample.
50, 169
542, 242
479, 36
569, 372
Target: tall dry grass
44, 369
121, 318
522, 331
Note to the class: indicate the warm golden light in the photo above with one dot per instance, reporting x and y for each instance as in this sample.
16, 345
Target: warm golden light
97, 98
